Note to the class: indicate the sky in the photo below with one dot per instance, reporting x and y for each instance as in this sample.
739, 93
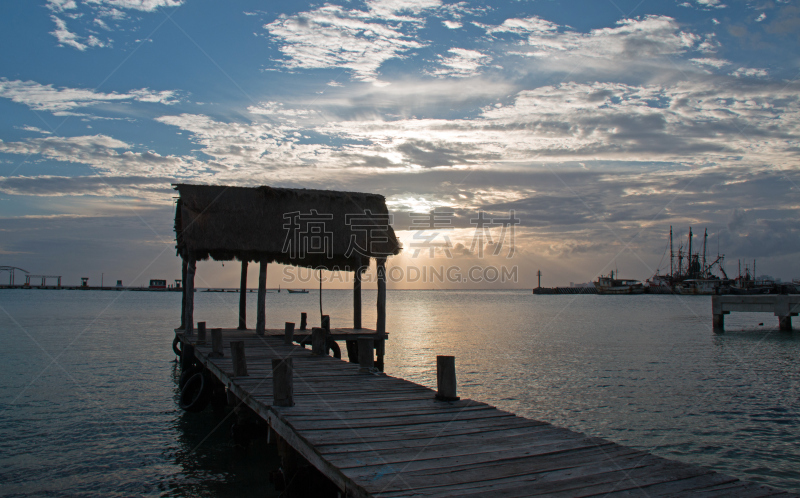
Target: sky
595, 125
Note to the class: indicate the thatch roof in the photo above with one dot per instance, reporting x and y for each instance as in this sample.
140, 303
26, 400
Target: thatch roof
312, 228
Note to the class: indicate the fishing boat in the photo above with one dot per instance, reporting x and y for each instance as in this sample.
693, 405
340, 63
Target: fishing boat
699, 287
297, 291
691, 273
611, 285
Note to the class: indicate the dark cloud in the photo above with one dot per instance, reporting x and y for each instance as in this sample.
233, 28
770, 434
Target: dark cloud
430, 155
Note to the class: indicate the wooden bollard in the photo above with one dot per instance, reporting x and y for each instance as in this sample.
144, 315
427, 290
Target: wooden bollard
318, 341
366, 357
326, 323
201, 332
282, 383
303, 321
237, 356
446, 378
216, 344
288, 333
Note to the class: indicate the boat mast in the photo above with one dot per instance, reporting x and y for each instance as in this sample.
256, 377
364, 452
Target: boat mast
705, 238
671, 255
689, 267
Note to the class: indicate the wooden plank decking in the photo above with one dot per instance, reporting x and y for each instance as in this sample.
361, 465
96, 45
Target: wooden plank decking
376, 435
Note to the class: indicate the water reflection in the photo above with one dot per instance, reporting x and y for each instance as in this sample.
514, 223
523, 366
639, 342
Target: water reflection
210, 463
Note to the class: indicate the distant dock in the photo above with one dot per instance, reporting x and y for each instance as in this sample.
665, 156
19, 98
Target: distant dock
782, 306
132, 289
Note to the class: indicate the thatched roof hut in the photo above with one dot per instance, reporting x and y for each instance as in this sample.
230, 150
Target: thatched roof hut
311, 228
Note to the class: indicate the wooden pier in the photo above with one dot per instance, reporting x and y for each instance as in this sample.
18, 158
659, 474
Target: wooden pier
371, 434
366, 433
782, 306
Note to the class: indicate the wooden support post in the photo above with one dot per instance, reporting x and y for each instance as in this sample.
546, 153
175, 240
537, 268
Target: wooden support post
326, 323
183, 293
243, 298
216, 344
366, 358
303, 321
239, 361
318, 341
201, 332
380, 352
261, 308
288, 333
352, 351
381, 326
357, 297
718, 316
719, 322
187, 356
785, 323
446, 378
282, 382
191, 268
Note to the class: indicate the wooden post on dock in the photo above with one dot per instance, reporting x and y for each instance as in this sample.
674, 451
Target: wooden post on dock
183, 293
318, 341
352, 350
717, 315
782, 311
187, 356
446, 378
718, 323
288, 333
191, 268
381, 325
357, 296
282, 382
366, 358
216, 344
326, 323
261, 308
243, 298
303, 321
239, 361
201, 332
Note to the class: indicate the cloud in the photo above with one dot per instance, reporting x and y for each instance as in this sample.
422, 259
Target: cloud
705, 4
103, 186
452, 24
140, 5
747, 72
461, 64
101, 152
632, 39
87, 15
47, 98
33, 129
358, 40
709, 61
64, 36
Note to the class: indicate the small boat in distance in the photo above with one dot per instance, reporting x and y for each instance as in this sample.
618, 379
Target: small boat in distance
297, 291
610, 285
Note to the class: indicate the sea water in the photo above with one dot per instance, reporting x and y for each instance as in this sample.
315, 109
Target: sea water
88, 394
